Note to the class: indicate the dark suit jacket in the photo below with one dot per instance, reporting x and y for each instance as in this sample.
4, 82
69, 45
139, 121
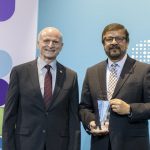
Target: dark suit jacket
125, 133
27, 125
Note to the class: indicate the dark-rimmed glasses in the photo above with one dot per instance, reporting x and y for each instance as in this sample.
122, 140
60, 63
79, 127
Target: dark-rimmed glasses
118, 39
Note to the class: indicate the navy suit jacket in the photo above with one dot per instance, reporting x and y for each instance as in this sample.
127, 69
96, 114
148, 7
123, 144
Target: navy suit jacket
133, 86
27, 125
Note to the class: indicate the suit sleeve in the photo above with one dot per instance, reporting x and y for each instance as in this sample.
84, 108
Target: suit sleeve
141, 111
10, 113
86, 109
74, 122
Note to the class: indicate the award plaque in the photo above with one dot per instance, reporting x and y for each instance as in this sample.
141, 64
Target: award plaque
103, 113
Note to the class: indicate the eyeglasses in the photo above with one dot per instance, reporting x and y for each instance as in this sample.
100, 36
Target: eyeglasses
118, 39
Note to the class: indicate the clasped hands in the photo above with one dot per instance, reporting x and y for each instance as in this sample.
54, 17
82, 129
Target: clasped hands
118, 106
96, 130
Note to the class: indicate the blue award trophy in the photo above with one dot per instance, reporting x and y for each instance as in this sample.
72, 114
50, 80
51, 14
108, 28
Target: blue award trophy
103, 114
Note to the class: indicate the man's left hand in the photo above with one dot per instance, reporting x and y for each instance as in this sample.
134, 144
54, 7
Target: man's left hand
120, 107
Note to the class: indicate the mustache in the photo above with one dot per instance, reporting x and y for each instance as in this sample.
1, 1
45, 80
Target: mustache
114, 47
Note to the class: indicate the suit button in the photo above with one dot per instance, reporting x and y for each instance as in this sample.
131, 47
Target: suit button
44, 131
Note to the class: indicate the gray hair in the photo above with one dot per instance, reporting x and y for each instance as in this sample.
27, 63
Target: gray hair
49, 28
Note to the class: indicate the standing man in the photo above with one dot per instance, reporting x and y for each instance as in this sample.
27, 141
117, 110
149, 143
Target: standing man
41, 111
129, 98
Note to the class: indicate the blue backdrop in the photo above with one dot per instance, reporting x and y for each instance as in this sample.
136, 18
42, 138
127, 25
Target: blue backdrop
82, 21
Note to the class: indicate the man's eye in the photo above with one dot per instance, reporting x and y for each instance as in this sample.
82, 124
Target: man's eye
55, 42
109, 39
46, 41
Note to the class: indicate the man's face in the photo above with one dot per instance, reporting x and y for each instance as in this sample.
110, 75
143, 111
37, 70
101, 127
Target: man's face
50, 44
115, 44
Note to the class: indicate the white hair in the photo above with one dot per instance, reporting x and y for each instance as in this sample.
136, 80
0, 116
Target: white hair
50, 28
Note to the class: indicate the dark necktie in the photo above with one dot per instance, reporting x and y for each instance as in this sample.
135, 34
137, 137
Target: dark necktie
47, 86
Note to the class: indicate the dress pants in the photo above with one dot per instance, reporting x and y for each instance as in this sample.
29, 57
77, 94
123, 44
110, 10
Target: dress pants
109, 146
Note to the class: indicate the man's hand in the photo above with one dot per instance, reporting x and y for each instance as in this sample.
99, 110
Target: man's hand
96, 131
120, 107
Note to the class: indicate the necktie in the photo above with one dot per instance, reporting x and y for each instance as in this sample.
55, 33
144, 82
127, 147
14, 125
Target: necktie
47, 86
112, 80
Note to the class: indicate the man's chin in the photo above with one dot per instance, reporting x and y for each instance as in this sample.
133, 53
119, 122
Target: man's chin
114, 57
49, 57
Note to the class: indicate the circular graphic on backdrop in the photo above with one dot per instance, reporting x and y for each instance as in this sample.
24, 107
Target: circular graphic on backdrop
5, 63
3, 91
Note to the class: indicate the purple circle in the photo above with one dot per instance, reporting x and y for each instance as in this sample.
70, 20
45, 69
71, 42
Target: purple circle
3, 91
7, 8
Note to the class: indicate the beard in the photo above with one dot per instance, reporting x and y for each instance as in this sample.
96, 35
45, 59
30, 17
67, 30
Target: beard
115, 53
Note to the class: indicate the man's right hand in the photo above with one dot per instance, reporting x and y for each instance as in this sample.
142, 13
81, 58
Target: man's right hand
96, 131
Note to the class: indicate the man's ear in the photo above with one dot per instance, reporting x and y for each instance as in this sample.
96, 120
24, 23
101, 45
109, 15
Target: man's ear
62, 44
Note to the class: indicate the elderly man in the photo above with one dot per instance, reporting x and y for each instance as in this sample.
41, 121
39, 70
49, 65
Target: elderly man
41, 111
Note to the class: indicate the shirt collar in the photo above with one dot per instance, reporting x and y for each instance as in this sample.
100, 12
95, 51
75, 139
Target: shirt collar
120, 62
42, 63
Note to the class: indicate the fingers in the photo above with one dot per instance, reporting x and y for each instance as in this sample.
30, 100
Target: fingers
92, 125
96, 131
115, 104
99, 132
115, 108
119, 106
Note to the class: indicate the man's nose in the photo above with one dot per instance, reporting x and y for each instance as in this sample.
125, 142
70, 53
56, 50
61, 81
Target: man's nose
50, 43
114, 41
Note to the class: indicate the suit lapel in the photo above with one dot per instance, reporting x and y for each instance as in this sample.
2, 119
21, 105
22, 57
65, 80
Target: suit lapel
102, 79
33, 74
126, 71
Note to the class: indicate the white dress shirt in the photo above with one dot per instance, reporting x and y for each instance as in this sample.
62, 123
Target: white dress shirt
42, 71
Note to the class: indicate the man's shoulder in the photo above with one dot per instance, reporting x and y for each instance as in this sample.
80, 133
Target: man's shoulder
136, 62
98, 65
65, 68
138, 66
26, 64
142, 65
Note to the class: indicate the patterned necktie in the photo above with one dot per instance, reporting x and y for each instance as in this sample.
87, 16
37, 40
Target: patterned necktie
47, 86
112, 80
